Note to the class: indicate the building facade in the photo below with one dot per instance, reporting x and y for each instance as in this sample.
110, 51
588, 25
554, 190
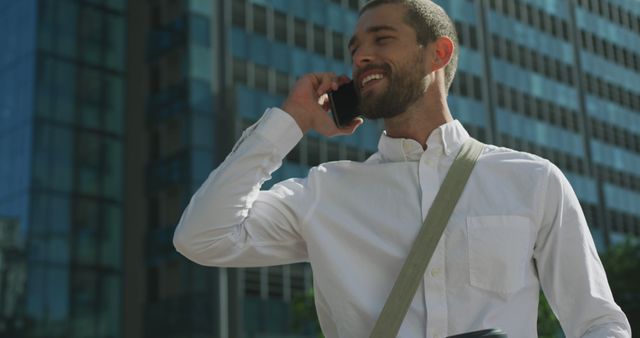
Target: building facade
534, 75
97, 192
61, 168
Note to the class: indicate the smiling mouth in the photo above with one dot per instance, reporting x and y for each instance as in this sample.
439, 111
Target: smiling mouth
370, 80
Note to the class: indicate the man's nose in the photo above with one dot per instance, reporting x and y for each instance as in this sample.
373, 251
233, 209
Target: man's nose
361, 57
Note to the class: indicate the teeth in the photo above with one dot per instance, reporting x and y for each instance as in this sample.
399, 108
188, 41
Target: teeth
371, 77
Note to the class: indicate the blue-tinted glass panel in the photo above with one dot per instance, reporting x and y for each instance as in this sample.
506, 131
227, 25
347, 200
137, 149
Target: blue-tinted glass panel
87, 219
110, 312
57, 290
238, 39
459, 10
467, 110
111, 236
199, 31
613, 113
201, 131
201, 7
514, 30
607, 30
535, 84
114, 109
280, 56
540, 133
201, 165
259, 50
614, 157
36, 284
90, 37
585, 187
200, 96
470, 61
52, 156
200, 63
611, 72
90, 98
113, 169
622, 199
114, 42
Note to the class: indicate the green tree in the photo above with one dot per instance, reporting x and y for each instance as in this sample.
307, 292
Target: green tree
305, 319
548, 325
622, 264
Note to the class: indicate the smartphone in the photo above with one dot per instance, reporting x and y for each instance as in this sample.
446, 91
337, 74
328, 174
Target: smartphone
344, 104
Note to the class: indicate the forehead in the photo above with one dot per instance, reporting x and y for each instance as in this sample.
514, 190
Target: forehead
386, 14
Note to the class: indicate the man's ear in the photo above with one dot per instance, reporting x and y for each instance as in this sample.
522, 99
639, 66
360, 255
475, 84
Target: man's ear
443, 51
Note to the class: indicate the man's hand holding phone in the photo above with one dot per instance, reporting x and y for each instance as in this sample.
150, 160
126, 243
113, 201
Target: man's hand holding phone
308, 104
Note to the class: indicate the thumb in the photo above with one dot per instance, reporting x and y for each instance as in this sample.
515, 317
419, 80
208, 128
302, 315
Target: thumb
351, 127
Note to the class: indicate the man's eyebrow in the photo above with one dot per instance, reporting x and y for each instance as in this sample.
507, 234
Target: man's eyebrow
372, 29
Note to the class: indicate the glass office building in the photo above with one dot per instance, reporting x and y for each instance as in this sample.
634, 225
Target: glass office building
61, 148
210, 69
561, 80
537, 76
555, 78
97, 192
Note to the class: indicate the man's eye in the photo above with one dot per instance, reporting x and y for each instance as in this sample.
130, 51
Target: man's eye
383, 38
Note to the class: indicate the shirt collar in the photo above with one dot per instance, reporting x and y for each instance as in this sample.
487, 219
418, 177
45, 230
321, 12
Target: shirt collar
444, 140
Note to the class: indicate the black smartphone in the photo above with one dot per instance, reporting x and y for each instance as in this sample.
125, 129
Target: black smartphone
344, 104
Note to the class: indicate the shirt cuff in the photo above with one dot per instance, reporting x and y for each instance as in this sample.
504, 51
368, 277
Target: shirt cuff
279, 128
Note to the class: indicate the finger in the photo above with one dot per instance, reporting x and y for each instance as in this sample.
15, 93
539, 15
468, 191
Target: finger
342, 79
351, 127
328, 81
324, 102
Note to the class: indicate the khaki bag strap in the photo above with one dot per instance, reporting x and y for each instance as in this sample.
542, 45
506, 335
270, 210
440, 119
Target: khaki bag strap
424, 245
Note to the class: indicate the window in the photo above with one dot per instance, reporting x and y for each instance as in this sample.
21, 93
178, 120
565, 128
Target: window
114, 39
238, 13
509, 51
260, 19
280, 26
338, 46
300, 34
477, 88
276, 280
464, 91
473, 38
282, 83
199, 30
240, 71
261, 77
318, 40
460, 32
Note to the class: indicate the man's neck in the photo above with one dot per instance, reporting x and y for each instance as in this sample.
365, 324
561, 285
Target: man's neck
420, 120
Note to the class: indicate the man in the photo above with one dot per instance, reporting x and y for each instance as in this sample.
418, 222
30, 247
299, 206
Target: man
517, 226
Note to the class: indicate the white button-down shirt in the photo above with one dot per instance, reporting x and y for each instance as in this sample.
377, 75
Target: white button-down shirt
517, 227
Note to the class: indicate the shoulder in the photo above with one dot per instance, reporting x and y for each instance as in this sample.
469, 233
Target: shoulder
336, 167
508, 165
507, 157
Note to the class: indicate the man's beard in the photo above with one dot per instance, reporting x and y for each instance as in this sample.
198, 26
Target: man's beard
404, 87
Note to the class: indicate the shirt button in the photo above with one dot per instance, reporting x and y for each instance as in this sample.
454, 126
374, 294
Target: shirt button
435, 272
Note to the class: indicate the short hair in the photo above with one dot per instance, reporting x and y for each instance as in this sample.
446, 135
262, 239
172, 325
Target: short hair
430, 22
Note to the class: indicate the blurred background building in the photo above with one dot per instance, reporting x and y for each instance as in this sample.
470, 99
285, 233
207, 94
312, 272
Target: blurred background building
113, 112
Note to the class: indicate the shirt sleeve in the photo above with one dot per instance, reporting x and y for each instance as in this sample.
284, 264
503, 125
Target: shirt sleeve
230, 222
570, 271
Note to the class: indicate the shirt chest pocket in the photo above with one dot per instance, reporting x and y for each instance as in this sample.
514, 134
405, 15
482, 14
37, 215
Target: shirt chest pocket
499, 252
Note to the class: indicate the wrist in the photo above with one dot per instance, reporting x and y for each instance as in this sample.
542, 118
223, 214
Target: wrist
297, 115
